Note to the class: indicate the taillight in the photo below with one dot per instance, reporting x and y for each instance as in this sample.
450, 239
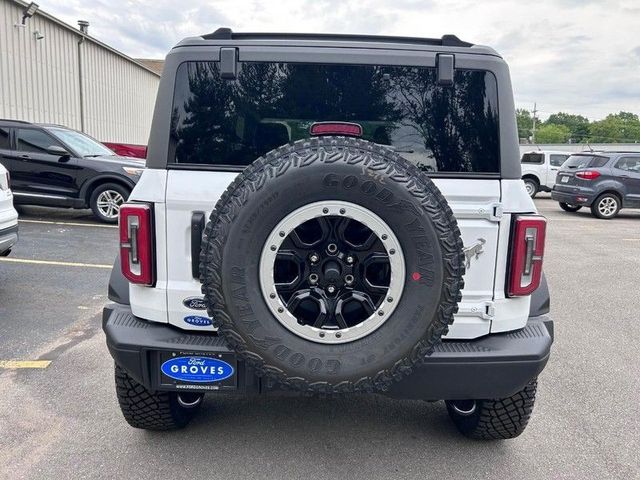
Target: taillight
588, 174
336, 128
527, 251
136, 243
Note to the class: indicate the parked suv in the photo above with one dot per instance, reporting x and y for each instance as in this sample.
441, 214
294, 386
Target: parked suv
56, 166
368, 231
603, 181
8, 215
539, 169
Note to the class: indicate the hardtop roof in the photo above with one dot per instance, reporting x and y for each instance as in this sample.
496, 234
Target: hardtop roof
225, 36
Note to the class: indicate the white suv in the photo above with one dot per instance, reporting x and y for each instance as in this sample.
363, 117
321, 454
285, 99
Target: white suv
8, 215
539, 169
330, 214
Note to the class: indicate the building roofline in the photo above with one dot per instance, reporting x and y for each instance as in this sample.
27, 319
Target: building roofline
89, 38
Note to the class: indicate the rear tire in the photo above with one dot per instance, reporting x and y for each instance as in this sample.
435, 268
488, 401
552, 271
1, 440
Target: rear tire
498, 419
569, 208
154, 410
106, 199
606, 206
531, 186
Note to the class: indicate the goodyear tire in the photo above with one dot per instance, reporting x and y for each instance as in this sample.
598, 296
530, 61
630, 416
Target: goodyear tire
154, 410
497, 419
332, 265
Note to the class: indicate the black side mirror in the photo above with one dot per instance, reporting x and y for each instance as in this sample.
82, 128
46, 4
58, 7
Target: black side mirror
58, 150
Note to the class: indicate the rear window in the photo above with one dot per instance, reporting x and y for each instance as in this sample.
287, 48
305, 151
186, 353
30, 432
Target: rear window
533, 158
585, 161
231, 123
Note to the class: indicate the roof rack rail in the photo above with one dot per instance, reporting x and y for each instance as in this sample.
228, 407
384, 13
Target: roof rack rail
227, 34
15, 121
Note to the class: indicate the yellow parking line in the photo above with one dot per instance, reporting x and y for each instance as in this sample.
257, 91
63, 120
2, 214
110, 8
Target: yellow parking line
52, 262
73, 224
15, 364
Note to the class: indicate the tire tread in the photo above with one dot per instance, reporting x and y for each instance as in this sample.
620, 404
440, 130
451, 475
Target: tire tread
330, 150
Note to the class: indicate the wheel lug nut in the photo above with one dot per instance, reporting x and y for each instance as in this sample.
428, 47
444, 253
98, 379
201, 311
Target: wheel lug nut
332, 248
348, 279
331, 289
314, 257
381, 312
349, 259
313, 278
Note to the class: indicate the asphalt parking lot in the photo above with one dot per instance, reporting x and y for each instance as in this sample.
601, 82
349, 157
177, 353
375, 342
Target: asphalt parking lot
63, 421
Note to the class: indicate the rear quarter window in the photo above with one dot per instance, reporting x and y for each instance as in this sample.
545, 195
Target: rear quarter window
535, 158
5, 140
585, 161
231, 123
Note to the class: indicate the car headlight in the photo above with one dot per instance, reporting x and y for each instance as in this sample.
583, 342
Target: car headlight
133, 171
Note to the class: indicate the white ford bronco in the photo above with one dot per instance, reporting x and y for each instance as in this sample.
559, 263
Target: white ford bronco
331, 214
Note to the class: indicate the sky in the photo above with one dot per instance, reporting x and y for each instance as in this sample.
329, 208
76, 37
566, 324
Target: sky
577, 56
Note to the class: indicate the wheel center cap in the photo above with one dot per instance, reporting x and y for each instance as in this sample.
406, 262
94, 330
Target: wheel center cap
332, 271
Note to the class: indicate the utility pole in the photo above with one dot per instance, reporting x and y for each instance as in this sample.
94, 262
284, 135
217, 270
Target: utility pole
533, 129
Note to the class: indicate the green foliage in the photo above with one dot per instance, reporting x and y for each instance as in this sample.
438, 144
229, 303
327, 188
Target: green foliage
550, 133
577, 124
623, 127
561, 127
525, 123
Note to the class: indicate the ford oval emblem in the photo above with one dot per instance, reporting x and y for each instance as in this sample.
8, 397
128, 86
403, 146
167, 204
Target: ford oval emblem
198, 321
197, 369
195, 303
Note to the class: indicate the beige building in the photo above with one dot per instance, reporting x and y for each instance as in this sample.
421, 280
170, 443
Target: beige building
51, 72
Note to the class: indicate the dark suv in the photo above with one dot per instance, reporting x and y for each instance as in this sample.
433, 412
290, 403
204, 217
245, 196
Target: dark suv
56, 166
603, 181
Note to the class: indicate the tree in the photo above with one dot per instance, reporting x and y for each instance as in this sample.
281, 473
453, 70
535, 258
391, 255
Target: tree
623, 127
525, 123
577, 124
550, 133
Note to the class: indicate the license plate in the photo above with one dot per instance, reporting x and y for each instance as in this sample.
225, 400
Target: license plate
564, 179
198, 371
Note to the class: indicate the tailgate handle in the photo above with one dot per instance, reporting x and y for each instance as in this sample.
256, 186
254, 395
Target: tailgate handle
197, 227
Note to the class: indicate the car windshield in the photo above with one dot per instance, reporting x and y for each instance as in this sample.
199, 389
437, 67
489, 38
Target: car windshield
584, 161
82, 144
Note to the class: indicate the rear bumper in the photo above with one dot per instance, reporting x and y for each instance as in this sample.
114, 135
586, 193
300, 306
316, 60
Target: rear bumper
495, 366
582, 199
8, 238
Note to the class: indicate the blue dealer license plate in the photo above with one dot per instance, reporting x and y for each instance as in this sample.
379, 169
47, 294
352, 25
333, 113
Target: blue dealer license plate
198, 371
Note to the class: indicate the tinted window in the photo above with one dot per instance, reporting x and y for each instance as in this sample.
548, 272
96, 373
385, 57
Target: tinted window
557, 160
533, 158
223, 122
585, 161
4, 139
629, 164
36, 141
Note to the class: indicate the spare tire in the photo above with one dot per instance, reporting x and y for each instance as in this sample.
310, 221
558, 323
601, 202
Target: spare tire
332, 265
